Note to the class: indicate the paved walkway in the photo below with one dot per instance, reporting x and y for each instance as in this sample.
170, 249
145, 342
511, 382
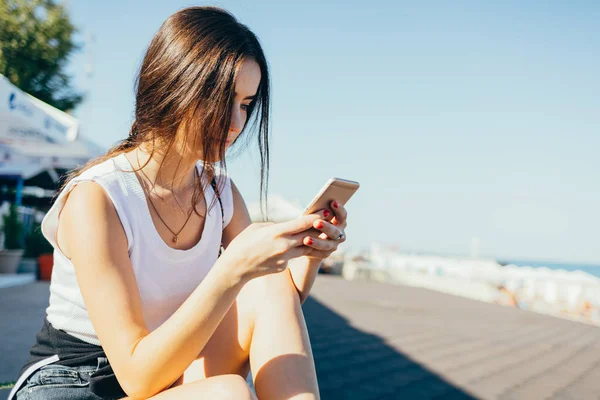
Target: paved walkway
22, 310
379, 341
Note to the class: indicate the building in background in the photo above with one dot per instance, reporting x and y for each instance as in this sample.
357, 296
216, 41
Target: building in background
38, 145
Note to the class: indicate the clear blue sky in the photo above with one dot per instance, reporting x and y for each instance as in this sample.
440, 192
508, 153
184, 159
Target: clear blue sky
460, 119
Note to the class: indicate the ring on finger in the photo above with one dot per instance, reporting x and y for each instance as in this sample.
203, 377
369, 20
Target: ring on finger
342, 235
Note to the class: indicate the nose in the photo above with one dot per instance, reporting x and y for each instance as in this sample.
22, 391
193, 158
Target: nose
237, 121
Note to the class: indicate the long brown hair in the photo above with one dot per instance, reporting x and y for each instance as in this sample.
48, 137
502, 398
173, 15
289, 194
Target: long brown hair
188, 76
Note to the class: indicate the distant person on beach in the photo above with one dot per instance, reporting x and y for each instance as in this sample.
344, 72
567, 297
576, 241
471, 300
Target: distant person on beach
587, 310
507, 297
144, 303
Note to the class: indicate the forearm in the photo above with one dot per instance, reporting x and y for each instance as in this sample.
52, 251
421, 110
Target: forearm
304, 271
165, 353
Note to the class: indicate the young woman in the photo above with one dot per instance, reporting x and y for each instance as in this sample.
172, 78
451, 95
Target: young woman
141, 303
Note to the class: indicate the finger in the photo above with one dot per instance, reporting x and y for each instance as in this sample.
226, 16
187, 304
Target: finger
327, 228
325, 214
299, 224
339, 223
340, 211
314, 233
298, 238
298, 252
320, 244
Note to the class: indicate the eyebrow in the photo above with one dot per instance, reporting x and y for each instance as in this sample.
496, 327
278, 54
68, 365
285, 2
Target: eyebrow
248, 97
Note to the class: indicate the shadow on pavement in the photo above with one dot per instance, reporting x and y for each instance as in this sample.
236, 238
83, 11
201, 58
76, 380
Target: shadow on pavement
352, 364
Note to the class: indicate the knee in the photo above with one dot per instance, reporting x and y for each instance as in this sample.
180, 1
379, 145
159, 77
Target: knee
234, 387
274, 292
274, 288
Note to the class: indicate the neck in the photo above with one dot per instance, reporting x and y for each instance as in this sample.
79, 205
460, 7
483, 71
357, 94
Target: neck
170, 170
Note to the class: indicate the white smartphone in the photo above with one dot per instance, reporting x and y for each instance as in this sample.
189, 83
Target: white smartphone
335, 189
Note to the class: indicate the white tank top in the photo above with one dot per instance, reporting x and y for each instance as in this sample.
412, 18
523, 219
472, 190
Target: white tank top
165, 276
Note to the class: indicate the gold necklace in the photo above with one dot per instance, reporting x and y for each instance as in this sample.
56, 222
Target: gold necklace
175, 235
154, 185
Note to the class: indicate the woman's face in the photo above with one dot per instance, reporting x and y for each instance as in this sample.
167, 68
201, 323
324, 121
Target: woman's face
246, 85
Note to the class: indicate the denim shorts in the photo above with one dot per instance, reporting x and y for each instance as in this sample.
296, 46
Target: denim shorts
59, 382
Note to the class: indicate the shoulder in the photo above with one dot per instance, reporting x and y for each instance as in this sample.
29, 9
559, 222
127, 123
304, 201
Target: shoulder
92, 197
106, 168
89, 214
113, 176
96, 191
88, 195
88, 202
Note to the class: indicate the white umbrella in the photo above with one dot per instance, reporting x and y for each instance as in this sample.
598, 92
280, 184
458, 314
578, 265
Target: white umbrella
36, 137
23, 118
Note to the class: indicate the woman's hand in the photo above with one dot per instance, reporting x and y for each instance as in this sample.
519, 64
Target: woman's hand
332, 228
265, 248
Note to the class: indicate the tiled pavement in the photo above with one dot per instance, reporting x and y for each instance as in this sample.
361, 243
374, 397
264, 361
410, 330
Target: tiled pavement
22, 311
379, 341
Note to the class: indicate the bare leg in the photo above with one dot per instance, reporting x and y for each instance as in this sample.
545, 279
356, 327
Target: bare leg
266, 329
280, 354
225, 387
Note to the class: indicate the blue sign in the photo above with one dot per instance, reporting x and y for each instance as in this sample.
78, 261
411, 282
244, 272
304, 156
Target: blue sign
14, 105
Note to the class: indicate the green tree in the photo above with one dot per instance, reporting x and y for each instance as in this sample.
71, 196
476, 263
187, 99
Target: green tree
36, 40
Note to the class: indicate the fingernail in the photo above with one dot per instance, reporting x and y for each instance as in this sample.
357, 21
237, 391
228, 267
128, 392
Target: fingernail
309, 241
319, 225
326, 213
335, 204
